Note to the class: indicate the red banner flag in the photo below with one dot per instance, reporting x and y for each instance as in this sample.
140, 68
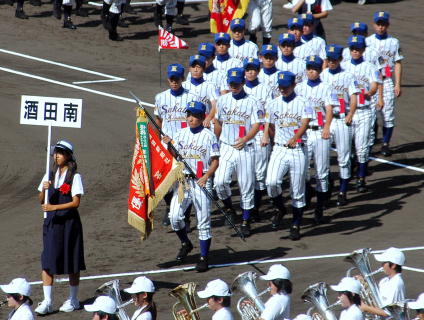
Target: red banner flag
145, 195
168, 40
223, 11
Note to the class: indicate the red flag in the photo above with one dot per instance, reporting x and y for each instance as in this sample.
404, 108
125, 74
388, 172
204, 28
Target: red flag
168, 40
223, 11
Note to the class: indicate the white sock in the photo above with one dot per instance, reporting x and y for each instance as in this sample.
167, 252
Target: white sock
74, 292
47, 290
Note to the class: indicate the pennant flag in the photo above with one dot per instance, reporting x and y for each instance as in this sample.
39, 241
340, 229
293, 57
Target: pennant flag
154, 171
223, 11
168, 40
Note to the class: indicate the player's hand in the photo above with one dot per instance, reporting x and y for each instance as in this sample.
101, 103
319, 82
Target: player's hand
291, 143
380, 103
398, 91
239, 143
47, 207
264, 141
207, 123
167, 139
201, 182
46, 185
367, 96
348, 119
325, 134
184, 314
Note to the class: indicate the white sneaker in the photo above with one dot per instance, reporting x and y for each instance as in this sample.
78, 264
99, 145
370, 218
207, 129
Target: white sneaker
44, 307
361, 2
70, 305
288, 6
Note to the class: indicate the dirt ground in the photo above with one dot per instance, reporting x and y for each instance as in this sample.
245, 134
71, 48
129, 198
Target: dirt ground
390, 214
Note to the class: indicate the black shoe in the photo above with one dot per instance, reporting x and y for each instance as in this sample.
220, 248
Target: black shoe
294, 233
255, 216
68, 24
181, 20
128, 9
106, 21
319, 216
165, 220
57, 10
231, 213
81, 13
169, 29
185, 250
202, 265
245, 228
19, 13
36, 3
158, 19
187, 226
329, 192
361, 185
122, 24
114, 36
385, 150
309, 193
341, 199
279, 214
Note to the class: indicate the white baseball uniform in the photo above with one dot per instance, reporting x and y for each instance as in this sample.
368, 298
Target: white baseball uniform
218, 78
234, 113
170, 5
269, 77
344, 86
247, 50
316, 43
194, 147
287, 117
301, 51
260, 13
206, 91
225, 63
294, 65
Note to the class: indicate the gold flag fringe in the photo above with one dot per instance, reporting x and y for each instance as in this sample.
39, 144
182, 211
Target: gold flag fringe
140, 224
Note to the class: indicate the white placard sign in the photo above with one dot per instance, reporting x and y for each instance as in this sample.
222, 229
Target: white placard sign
57, 112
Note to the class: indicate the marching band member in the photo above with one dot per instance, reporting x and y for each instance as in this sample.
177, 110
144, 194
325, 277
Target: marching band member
142, 291
103, 308
278, 306
349, 290
218, 296
419, 306
17, 293
392, 288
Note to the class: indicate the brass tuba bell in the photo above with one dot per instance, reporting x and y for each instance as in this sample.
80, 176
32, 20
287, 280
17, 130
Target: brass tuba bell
317, 295
185, 295
111, 289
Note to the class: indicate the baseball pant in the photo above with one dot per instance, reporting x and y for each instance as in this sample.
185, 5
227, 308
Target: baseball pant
285, 160
361, 126
341, 135
170, 6
243, 162
260, 12
374, 112
261, 161
202, 203
319, 149
389, 103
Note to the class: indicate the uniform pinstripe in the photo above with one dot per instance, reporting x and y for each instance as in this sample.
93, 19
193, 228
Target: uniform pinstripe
234, 113
301, 51
287, 117
247, 50
296, 66
344, 85
391, 52
218, 78
193, 148
318, 44
260, 12
206, 91
226, 65
263, 94
320, 96
365, 73
270, 80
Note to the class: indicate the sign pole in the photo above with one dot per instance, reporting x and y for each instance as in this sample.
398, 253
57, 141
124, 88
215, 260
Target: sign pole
160, 67
49, 143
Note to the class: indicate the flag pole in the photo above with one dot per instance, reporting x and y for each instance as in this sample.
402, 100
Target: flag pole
192, 173
160, 67
49, 143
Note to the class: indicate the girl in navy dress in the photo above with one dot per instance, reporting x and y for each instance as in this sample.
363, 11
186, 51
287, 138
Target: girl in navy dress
63, 251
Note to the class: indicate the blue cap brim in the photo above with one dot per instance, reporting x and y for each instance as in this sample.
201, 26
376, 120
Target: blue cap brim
284, 83
333, 55
175, 74
235, 79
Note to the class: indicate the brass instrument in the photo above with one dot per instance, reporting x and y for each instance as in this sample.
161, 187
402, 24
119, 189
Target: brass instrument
399, 310
317, 295
245, 283
185, 295
111, 289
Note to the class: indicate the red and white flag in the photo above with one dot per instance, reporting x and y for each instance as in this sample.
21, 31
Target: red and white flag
168, 40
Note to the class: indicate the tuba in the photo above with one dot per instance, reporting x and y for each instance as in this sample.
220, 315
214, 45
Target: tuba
185, 295
245, 283
399, 310
111, 289
317, 295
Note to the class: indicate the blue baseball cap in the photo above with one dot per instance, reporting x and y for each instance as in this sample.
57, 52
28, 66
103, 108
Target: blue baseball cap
381, 16
251, 62
176, 70
286, 78
357, 41
314, 61
196, 107
222, 36
271, 49
238, 23
359, 26
235, 75
295, 22
206, 49
199, 59
334, 51
286, 37
307, 18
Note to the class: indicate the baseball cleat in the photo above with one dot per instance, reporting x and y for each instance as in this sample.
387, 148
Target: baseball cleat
185, 250
231, 213
20, 14
385, 150
68, 24
361, 185
245, 228
341, 199
202, 265
294, 233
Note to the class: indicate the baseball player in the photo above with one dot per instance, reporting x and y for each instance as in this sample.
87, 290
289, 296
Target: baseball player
110, 15
367, 76
391, 52
286, 121
301, 50
199, 147
260, 13
288, 62
241, 48
223, 61
263, 93
170, 111
239, 117
169, 13
67, 10
308, 37
269, 73
323, 99
346, 88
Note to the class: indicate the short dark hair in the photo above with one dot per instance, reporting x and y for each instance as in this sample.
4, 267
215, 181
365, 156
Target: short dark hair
353, 299
102, 315
202, 114
226, 301
398, 268
283, 285
17, 297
